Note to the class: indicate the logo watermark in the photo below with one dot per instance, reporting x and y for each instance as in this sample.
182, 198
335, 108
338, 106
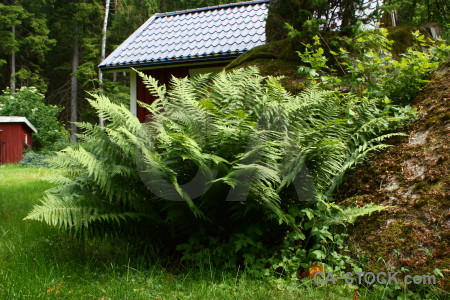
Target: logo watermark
370, 278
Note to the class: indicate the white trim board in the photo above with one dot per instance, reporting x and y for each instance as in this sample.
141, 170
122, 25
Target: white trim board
133, 93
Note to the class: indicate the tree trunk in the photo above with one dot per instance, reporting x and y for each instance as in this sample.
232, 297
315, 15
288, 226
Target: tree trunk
74, 89
13, 63
103, 51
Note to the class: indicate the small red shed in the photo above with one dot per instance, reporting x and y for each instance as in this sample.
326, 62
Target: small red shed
15, 137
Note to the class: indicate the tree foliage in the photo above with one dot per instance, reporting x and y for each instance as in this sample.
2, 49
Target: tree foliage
31, 41
46, 32
413, 12
29, 103
366, 64
308, 16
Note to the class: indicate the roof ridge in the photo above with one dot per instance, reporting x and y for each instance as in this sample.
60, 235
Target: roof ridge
193, 10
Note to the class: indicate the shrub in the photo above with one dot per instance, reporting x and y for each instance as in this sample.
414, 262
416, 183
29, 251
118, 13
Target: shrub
28, 102
228, 163
35, 160
365, 64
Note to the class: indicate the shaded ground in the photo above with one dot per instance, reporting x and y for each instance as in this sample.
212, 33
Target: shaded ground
414, 177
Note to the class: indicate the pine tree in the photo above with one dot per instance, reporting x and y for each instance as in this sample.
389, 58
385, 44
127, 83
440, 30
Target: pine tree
24, 43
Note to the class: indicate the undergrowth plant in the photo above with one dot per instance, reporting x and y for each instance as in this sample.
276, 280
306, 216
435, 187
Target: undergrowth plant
35, 160
366, 64
231, 169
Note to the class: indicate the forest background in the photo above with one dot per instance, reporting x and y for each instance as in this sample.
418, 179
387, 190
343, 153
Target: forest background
56, 45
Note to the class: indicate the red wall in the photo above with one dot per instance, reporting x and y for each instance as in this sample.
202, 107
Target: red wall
163, 76
12, 141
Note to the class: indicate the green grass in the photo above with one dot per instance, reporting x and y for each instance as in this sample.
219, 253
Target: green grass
37, 261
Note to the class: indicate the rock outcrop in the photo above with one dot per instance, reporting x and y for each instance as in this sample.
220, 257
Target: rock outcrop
413, 177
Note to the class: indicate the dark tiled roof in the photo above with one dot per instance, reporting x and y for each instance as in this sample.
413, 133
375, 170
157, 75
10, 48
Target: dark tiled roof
210, 33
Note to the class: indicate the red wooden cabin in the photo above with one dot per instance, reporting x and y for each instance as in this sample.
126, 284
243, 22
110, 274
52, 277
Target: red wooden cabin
15, 138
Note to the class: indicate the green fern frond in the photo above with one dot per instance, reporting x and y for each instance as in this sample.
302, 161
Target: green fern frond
239, 126
153, 86
350, 214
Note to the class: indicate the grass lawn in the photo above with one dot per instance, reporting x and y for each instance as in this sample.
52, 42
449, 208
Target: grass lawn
37, 261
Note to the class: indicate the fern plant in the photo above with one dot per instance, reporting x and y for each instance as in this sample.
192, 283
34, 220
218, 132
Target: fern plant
221, 154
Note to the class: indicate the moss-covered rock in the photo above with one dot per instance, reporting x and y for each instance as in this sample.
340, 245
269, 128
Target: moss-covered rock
402, 37
275, 59
280, 58
414, 177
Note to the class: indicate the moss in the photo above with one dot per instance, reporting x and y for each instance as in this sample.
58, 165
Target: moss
420, 219
280, 58
402, 37
249, 56
291, 46
280, 50
294, 86
398, 243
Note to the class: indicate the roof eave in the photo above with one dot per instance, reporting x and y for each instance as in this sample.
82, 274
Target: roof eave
15, 119
217, 58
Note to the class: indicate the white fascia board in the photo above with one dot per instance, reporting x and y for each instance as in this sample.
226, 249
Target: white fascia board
133, 93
